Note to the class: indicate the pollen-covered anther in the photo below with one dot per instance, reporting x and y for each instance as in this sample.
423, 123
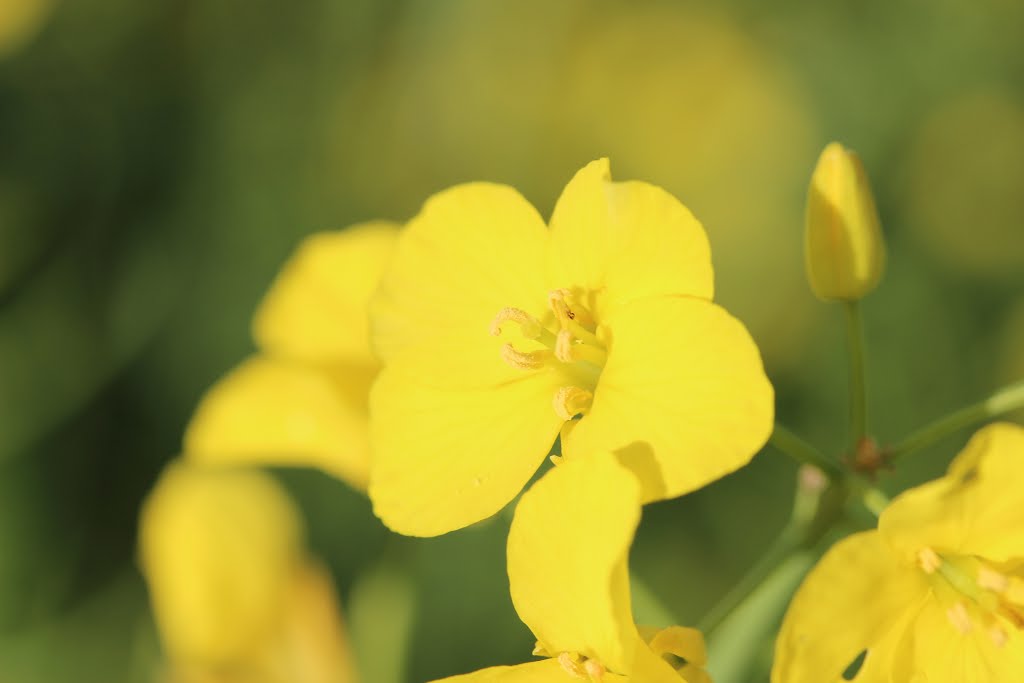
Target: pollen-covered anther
998, 635
571, 401
928, 560
571, 665
958, 616
524, 360
991, 580
530, 326
594, 669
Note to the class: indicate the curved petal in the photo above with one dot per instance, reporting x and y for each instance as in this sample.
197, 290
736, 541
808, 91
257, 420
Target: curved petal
545, 671
317, 309
446, 457
976, 509
683, 398
939, 652
472, 250
658, 246
567, 561
270, 412
847, 604
581, 230
627, 240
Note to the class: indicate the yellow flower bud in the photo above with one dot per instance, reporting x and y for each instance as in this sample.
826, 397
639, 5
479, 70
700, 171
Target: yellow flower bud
220, 549
843, 243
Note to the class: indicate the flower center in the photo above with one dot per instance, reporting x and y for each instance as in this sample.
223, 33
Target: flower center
569, 342
983, 596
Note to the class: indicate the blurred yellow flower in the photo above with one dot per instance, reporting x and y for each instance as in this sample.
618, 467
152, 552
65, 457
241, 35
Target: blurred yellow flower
20, 21
303, 399
607, 315
935, 594
234, 595
843, 243
568, 572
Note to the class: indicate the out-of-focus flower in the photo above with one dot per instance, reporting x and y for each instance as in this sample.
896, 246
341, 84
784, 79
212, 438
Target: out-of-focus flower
234, 594
963, 185
568, 572
843, 245
20, 21
496, 333
303, 399
935, 594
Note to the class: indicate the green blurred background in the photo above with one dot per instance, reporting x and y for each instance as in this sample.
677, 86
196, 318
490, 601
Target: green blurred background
159, 160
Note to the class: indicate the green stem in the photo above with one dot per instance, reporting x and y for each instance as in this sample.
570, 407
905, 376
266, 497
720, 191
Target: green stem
858, 388
1005, 400
795, 447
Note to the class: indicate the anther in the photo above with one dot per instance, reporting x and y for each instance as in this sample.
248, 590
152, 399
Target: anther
563, 346
524, 360
593, 669
958, 616
571, 401
998, 635
928, 560
571, 666
991, 580
530, 326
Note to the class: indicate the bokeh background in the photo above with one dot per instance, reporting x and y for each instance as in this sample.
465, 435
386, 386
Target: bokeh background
160, 160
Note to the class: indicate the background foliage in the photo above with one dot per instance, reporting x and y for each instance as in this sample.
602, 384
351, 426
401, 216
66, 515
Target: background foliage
160, 160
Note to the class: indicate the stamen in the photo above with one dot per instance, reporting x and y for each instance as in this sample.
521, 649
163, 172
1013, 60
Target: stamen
958, 616
524, 360
991, 580
570, 665
593, 669
569, 350
530, 326
928, 560
998, 635
571, 401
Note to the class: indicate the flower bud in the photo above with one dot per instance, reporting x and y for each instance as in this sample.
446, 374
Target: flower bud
843, 244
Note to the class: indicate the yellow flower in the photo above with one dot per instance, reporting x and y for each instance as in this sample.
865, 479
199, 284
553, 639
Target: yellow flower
935, 594
569, 579
843, 243
303, 399
497, 332
234, 594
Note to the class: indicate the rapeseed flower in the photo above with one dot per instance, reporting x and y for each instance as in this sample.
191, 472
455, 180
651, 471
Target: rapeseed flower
935, 594
499, 334
303, 399
235, 596
568, 574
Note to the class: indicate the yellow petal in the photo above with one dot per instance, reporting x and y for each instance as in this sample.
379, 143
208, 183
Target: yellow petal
546, 671
975, 510
445, 458
567, 562
581, 230
939, 652
472, 250
219, 549
628, 239
268, 412
317, 308
683, 398
658, 246
849, 602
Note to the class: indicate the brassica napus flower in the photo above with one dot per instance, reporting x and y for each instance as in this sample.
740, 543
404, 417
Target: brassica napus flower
935, 594
235, 595
303, 399
497, 333
568, 572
